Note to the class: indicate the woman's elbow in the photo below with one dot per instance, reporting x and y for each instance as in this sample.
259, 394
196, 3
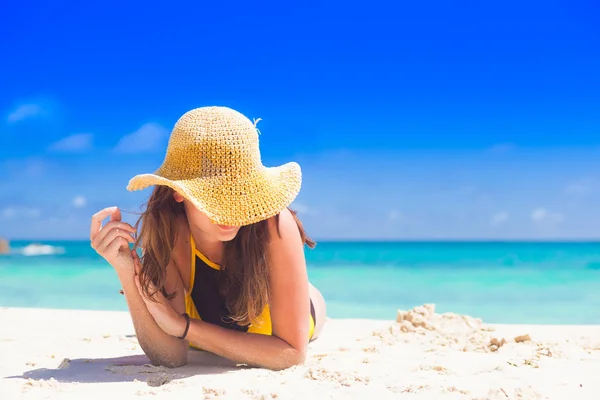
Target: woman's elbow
172, 359
292, 358
299, 359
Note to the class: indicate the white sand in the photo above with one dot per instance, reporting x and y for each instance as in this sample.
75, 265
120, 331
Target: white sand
65, 354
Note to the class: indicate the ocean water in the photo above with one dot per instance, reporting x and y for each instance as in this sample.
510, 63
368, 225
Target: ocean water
500, 282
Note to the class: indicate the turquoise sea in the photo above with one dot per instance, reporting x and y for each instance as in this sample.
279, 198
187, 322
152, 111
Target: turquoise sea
501, 282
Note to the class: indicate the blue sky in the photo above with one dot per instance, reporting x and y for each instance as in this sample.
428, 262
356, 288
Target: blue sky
468, 120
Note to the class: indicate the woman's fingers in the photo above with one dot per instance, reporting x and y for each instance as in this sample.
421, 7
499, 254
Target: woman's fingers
109, 237
153, 295
112, 240
138, 284
96, 224
137, 264
145, 296
111, 225
115, 246
115, 218
116, 215
107, 230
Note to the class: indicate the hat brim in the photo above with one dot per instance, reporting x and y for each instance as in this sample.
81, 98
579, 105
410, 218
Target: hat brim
234, 201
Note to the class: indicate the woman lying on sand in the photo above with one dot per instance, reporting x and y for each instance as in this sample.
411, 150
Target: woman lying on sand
222, 266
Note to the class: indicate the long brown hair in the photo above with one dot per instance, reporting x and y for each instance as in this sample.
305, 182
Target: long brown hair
244, 277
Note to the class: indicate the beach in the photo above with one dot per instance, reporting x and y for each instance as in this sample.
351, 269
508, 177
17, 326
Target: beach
65, 332
416, 354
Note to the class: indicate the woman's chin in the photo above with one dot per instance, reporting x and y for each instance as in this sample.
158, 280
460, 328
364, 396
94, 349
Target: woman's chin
225, 234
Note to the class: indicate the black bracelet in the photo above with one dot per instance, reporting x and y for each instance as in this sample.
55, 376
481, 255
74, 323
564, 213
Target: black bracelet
187, 326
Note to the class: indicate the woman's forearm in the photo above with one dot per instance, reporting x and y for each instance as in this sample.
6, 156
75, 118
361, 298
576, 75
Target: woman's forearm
265, 351
160, 347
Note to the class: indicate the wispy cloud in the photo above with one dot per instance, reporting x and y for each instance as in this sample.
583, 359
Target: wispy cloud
581, 187
151, 137
541, 214
25, 111
79, 202
12, 212
73, 144
499, 218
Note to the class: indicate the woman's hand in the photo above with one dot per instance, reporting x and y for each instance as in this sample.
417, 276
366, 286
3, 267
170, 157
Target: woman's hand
170, 321
112, 240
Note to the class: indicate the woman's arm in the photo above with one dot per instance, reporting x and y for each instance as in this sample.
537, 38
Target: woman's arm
160, 347
112, 243
289, 306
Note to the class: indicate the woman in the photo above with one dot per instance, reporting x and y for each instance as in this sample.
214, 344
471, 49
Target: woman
222, 266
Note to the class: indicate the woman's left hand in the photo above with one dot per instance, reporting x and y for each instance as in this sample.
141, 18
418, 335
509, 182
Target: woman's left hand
165, 316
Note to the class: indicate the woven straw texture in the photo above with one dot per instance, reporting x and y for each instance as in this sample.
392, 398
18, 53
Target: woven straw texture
213, 160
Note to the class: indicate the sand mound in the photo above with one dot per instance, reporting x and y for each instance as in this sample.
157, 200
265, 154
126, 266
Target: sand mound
455, 331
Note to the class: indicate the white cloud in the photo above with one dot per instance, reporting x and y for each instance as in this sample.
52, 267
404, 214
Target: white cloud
18, 212
24, 111
541, 214
149, 138
75, 143
79, 201
499, 218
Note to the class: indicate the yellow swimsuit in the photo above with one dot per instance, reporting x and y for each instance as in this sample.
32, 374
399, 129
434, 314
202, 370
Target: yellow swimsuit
204, 302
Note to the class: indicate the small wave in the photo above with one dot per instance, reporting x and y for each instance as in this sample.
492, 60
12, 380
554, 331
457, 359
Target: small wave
36, 249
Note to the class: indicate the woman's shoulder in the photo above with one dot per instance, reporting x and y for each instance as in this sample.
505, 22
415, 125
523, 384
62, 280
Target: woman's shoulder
283, 227
285, 248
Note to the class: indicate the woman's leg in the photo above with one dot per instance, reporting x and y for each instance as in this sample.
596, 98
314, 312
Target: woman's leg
320, 310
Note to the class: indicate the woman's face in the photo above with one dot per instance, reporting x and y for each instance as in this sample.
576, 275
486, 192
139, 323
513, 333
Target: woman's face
201, 222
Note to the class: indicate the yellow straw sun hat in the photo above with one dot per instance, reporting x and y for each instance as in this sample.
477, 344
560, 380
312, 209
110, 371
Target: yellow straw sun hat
213, 160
